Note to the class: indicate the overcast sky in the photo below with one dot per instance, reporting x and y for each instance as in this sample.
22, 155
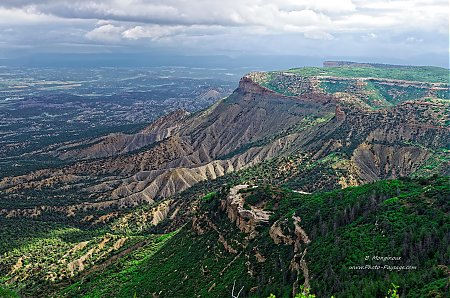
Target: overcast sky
412, 30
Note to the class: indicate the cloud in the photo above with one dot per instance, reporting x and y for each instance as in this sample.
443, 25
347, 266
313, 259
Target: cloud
153, 32
369, 36
413, 39
365, 25
28, 16
333, 7
318, 35
336, 15
105, 33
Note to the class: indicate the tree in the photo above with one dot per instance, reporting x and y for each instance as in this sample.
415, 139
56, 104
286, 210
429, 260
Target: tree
392, 293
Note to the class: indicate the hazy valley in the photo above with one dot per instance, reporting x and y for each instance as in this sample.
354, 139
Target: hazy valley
43, 109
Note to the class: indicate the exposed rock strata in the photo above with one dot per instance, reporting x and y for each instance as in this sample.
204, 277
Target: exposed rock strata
252, 125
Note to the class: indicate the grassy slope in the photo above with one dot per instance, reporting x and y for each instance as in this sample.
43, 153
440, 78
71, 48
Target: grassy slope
411, 214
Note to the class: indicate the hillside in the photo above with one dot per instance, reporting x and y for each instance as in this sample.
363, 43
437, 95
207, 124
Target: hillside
254, 124
271, 240
125, 211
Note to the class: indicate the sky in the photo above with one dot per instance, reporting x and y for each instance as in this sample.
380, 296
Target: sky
404, 31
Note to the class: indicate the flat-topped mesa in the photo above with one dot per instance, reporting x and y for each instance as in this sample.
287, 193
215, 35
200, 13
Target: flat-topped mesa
344, 63
360, 64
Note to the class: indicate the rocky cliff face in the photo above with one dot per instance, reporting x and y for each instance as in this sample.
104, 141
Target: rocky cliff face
254, 124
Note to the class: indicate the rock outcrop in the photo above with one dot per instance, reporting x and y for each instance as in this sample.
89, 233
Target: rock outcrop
298, 239
244, 216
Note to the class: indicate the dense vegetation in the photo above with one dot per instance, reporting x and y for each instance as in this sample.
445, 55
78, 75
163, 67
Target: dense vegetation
405, 220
